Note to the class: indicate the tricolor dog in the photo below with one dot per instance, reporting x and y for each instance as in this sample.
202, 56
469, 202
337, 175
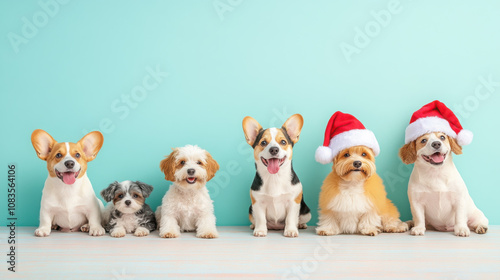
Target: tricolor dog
68, 200
127, 211
438, 195
276, 191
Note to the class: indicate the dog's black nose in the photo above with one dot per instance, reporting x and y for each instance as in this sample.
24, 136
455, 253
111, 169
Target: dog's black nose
274, 150
357, 164
127, 202
69, 164
436, 145
191, 171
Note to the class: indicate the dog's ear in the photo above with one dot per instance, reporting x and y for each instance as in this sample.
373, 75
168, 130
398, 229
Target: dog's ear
211, 167
167, 165
457, 149
145, 188
251, 128
43, 143
109, 193
293, 126
408, 153
91, 144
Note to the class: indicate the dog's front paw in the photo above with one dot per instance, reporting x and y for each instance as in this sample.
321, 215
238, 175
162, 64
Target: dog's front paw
396, 227
302, 226
370, 231
481, 229
96, 231
118, 232
291, 232
260, 232
417, 231
85, 228
208, 235
402, 227
141, 231
462, 231
324, 231
169, 234
42, 231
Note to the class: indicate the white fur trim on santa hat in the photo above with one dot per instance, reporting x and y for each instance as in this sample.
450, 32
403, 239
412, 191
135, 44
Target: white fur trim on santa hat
344, 140
464, 137
427, 125
354, 137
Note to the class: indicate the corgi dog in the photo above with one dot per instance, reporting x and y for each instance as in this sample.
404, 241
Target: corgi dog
276, 191
68, 199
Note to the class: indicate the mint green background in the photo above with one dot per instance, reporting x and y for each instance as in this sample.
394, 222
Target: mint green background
266, 59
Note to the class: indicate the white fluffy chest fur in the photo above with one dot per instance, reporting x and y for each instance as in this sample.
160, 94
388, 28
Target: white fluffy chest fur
187, 205
69, 204
276, 193
351, 200
276, 206
275, 185
349, 205
128, 221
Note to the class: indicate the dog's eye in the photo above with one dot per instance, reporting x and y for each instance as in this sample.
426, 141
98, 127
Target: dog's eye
183, 162
442, 137
423, 141
77, 155
347, 155
120, 196
363, 154
283, 142
198, 162
135, 196
58, 155
263, 143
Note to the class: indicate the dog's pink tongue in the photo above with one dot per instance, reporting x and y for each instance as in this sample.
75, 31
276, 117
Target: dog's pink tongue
69, 178
273, 165
437, 158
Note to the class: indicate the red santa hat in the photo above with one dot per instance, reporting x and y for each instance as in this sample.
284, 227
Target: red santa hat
344, 131
436, 117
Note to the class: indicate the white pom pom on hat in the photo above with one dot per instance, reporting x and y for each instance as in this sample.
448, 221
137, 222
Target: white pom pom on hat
324, 155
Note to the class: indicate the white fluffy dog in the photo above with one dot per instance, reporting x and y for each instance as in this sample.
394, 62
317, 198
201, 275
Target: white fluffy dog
187, 206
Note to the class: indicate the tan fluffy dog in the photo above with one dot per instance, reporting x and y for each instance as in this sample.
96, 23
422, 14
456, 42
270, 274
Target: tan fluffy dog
353, 197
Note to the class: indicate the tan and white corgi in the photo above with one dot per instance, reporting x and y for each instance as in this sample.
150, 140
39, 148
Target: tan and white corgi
68, 200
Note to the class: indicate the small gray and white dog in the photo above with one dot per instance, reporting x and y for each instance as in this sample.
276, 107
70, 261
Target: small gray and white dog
128, 212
